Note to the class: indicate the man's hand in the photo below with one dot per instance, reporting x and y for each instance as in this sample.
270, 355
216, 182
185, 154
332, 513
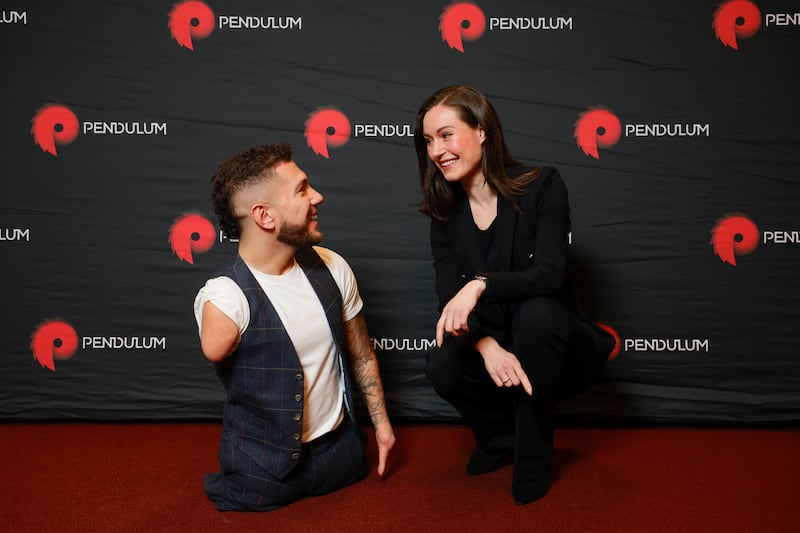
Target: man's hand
503, 366
455, 314
384, 435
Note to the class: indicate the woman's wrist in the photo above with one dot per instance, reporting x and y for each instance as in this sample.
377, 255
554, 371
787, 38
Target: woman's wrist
485, 344
482, 283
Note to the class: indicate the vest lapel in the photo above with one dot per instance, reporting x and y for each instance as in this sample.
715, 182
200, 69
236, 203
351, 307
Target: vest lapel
325, 286
331, 299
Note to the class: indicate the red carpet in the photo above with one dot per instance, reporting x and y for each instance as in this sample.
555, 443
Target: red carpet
148, 477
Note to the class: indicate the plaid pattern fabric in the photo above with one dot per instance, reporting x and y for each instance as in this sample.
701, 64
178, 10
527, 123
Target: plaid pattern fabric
329, 463
263, 380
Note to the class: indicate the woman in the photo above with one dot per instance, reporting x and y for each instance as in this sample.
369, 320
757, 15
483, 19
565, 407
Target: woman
511, 337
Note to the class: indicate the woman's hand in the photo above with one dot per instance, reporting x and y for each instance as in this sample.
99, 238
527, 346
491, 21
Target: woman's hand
455, 314
503, 366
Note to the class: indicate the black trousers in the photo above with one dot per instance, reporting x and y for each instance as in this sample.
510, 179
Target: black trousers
558, 353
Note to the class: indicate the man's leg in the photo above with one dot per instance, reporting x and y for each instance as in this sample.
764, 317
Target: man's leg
328, 463
335, 460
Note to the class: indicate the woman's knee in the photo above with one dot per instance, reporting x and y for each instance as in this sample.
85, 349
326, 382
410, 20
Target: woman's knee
439, 369
540, 317
444, 368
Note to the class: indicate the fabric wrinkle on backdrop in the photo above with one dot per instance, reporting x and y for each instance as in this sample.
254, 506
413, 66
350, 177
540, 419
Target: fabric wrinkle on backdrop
674, 127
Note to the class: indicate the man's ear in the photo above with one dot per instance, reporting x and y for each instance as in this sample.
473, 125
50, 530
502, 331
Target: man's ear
261, 214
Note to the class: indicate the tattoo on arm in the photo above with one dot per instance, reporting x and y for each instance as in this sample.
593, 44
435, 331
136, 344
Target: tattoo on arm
364, 367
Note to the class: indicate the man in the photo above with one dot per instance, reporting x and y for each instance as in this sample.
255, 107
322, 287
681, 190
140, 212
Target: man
282, 323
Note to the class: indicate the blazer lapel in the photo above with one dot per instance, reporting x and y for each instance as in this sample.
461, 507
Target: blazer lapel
507, 217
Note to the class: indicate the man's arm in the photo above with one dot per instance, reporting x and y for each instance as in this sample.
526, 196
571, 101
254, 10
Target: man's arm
219, 335
364, 368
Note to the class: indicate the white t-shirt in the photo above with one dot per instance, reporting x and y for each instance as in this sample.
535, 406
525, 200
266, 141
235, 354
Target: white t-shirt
302, 315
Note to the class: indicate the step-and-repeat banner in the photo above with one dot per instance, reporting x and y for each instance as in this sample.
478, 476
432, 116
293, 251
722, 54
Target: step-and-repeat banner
674, 124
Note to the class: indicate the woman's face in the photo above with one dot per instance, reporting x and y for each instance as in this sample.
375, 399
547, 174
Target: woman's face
453, 145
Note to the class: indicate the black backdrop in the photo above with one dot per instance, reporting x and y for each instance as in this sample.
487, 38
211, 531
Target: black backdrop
685, 225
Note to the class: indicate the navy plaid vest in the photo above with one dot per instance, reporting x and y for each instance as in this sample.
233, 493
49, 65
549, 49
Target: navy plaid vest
263, 378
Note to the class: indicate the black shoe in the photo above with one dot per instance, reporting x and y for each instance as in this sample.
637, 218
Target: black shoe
526, 492
483, 463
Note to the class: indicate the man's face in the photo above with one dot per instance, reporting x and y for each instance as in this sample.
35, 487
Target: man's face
295, 207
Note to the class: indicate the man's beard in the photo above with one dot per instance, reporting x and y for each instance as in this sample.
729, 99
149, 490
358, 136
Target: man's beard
298, 235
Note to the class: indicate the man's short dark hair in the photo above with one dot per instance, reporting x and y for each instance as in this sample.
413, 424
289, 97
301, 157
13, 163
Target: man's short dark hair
239, 172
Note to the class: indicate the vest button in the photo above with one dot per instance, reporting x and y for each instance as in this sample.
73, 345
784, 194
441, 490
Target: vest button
296, 456
298, 377
298, 397
296, 417
296, 436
